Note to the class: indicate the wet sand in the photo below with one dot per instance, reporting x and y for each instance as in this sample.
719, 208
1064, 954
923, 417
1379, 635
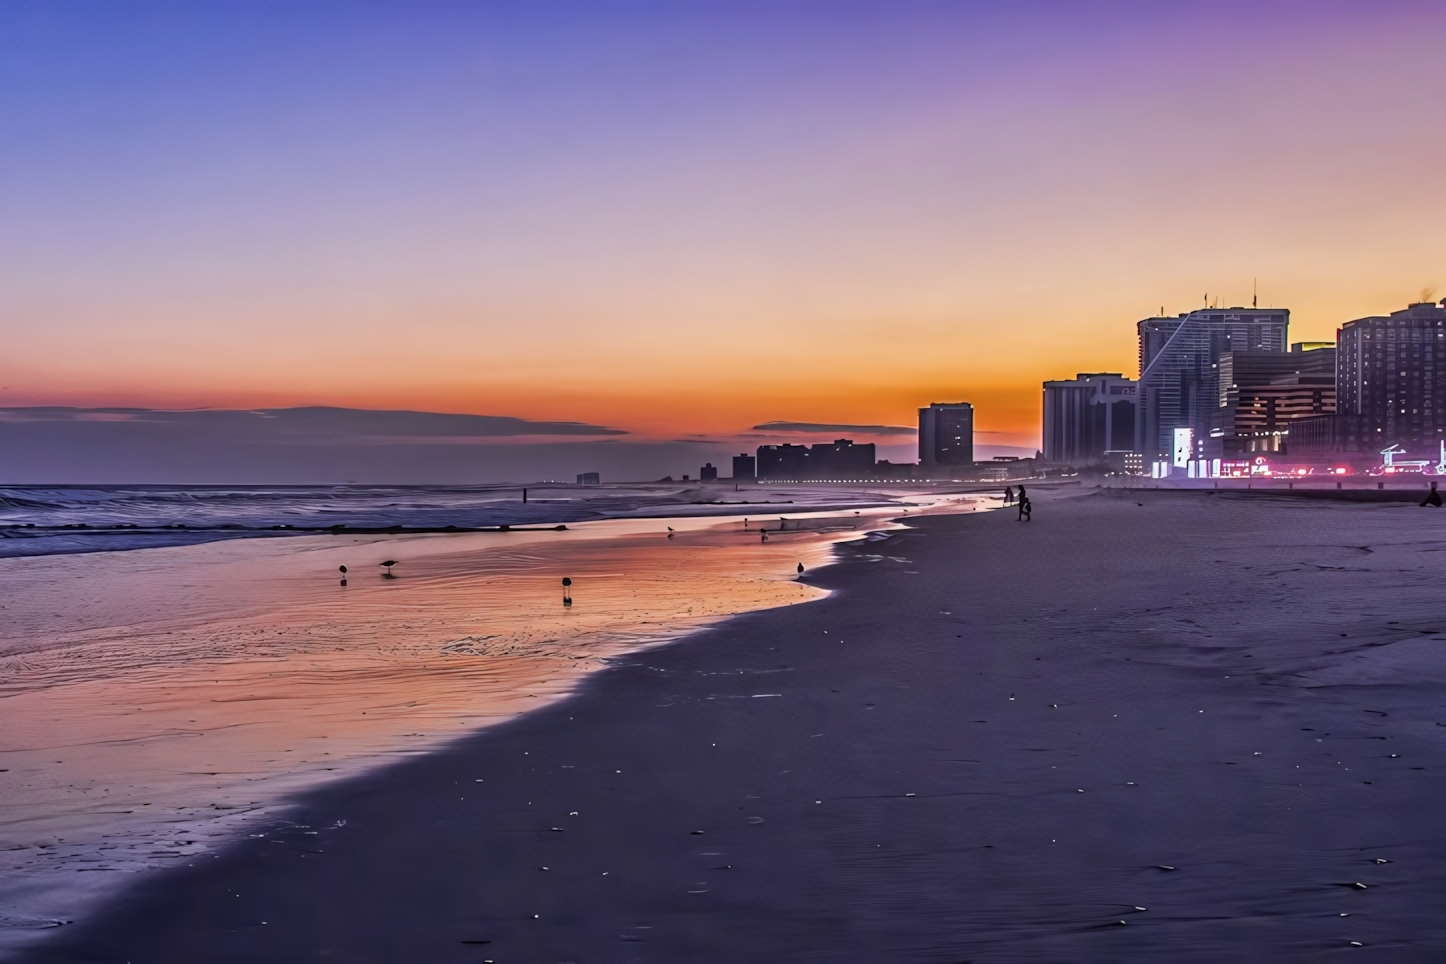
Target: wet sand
1146, 725
155, 703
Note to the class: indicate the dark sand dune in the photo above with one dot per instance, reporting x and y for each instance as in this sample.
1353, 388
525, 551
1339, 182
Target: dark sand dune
1187, 730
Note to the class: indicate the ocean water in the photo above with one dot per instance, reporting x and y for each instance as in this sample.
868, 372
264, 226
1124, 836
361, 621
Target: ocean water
46, 520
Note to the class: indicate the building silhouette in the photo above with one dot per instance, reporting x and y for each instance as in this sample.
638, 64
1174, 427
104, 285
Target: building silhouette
708, 473
1179, 385
589, 478
841, 459
786, 461
745, 468
946, 436
1391, 381
1089, 416
825, 461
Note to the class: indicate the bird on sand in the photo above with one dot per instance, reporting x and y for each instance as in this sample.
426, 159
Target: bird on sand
800, 568
342, 569
389, 563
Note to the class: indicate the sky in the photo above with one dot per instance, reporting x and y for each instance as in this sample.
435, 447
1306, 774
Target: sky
683, 220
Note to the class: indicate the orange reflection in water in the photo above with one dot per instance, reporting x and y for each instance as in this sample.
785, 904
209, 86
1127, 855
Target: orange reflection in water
150, 700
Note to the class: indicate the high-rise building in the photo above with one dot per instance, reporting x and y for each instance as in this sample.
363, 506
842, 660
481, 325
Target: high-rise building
946, 436
1087, 417
1391, 379
1263, 392
744, 468
708, 473
1179, 386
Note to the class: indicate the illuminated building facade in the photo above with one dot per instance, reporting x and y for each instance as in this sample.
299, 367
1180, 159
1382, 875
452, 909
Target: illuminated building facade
1179, 385
1391, 379
1263, 393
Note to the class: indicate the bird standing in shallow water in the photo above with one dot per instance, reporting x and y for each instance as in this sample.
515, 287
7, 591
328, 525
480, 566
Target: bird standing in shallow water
389, 563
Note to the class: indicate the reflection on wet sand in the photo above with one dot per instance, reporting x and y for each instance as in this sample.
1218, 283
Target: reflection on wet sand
154, 700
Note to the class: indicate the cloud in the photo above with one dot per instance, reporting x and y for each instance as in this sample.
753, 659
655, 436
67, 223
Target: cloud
825, 428
318, 424
314, 445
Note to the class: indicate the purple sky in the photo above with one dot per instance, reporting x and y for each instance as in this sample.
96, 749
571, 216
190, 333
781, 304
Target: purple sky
683, 220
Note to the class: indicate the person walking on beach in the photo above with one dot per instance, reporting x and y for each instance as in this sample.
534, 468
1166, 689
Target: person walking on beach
1024, 508
1008, 495
1434, 499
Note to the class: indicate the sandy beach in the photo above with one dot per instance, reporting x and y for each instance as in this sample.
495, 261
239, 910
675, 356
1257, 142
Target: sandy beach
1143, 725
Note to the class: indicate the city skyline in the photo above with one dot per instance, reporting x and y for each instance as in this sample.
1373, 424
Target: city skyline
681, 222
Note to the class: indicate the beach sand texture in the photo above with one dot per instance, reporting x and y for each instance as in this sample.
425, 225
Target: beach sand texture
1143, 726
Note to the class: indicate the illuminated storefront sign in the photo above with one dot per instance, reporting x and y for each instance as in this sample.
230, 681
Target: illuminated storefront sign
1184, 446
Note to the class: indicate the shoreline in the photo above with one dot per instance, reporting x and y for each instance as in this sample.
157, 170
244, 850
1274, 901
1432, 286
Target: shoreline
59, 520
1188, 728
215, 660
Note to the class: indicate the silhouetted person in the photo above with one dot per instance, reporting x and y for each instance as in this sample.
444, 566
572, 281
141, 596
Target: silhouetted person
800, 565
1434, 499
1024, 509
1008, 495
1022, 494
